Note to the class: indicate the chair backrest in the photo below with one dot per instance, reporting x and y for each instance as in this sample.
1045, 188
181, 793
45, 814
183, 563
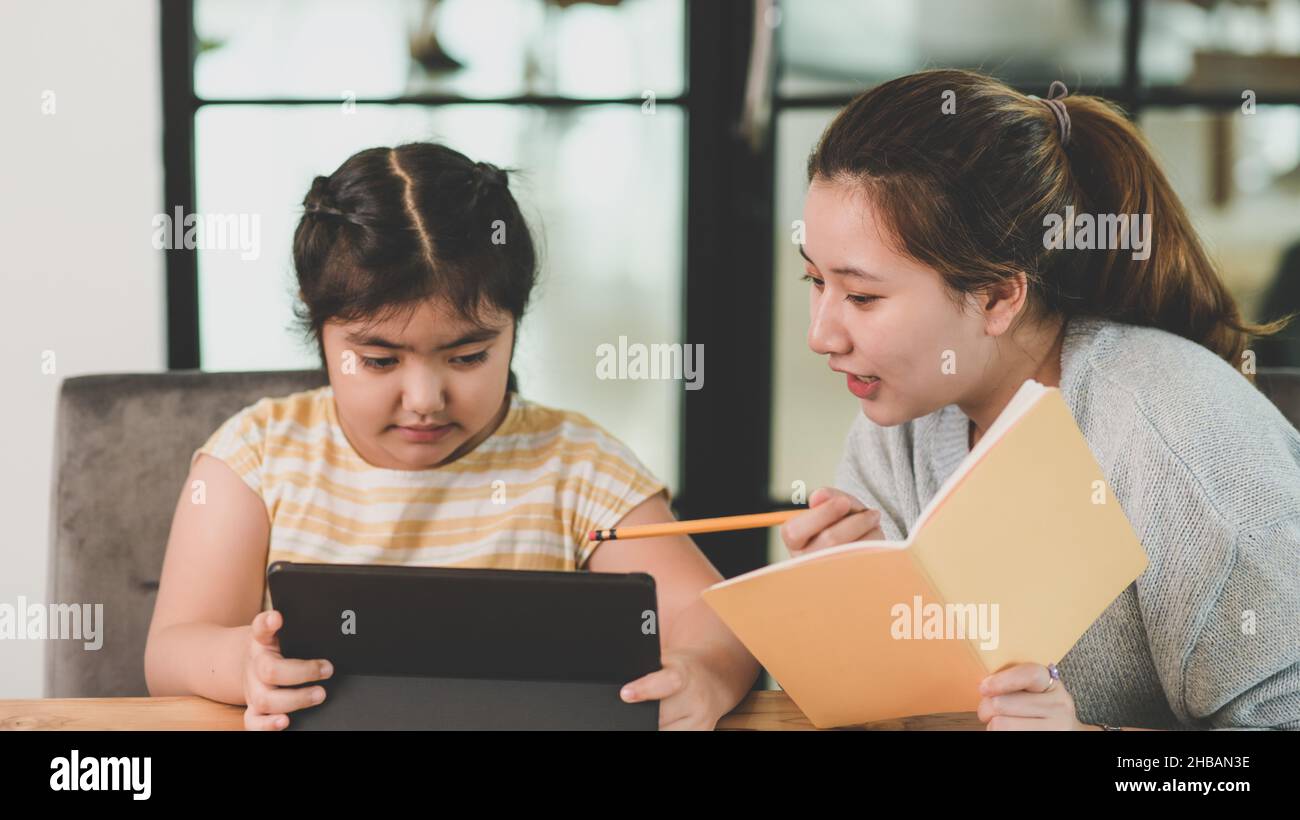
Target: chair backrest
122, 449
1282, 386
1280, 299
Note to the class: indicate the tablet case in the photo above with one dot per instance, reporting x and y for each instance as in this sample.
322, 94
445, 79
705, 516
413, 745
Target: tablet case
469, 649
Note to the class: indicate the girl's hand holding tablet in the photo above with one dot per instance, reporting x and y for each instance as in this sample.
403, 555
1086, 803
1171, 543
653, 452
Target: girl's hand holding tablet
269, 677
691, 694
833, 518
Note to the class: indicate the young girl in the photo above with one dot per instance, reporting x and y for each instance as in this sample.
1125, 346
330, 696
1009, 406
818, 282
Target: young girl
940, 283
415, 266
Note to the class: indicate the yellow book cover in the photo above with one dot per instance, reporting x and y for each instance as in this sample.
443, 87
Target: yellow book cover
1017, 554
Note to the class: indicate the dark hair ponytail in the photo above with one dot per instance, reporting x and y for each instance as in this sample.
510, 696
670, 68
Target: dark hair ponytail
966, 193
393, 227
1178, 288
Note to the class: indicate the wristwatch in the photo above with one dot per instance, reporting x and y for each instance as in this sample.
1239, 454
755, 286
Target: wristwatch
1106, 727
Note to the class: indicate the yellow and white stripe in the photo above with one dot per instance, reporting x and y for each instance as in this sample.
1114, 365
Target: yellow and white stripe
523, 499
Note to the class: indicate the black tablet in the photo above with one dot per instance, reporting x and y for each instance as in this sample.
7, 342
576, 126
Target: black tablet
447, 648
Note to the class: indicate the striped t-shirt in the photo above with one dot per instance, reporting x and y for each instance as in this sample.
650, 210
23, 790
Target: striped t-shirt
525, 498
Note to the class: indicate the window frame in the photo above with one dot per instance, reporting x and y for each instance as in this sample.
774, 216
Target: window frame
725, 432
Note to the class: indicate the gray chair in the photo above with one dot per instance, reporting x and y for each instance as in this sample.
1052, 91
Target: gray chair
122, 452
121, 455
1282, 386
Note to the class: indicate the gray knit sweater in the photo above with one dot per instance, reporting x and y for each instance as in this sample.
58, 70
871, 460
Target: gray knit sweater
1208, 472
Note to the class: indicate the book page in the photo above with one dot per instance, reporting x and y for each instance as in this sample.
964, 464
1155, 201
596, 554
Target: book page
837, 635
1036, 533
1025, 397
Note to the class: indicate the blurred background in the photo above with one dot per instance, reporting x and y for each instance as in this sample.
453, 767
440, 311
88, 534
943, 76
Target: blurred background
659, 148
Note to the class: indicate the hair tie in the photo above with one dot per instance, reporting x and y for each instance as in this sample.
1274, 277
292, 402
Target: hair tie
1054, 102
324, 210
490, 174
318, 196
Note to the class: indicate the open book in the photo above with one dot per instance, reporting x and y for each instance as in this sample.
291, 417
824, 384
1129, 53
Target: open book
1017, 554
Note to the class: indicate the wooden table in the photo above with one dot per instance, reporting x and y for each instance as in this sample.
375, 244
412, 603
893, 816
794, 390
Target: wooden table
762, 710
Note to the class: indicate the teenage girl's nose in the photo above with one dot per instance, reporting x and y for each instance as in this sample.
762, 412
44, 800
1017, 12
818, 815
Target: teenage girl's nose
826, 332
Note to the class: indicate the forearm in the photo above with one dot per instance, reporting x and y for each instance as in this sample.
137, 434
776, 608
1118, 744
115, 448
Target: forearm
698, 630
198, 659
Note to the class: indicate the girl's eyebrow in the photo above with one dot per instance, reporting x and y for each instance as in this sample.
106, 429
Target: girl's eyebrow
849, 271
378, 341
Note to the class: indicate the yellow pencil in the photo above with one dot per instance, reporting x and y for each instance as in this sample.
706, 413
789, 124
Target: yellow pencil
730, 522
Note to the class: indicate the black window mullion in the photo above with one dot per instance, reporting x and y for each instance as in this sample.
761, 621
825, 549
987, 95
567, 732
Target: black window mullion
433, 100
1132, 99
726, 428
178, 50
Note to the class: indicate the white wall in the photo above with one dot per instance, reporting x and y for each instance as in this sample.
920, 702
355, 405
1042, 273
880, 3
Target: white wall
78, 189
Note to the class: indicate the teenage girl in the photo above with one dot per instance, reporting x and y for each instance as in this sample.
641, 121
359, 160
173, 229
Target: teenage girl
940, 281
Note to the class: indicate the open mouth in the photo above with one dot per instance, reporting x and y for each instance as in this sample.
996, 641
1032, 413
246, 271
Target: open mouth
864, 387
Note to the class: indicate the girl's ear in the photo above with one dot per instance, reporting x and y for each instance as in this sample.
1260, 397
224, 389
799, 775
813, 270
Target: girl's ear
1003, 302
